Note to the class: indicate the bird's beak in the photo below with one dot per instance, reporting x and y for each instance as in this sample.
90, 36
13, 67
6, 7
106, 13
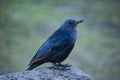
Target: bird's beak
77, 22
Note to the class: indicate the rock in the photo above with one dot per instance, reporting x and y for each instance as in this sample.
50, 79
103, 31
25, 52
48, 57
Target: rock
49, 73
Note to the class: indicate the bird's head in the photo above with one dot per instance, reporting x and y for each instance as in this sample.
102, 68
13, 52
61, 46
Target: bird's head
71, 23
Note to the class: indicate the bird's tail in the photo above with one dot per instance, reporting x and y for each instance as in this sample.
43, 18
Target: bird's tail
29, 68
32, 66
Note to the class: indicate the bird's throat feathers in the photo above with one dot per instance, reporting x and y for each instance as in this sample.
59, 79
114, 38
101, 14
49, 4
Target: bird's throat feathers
71, 32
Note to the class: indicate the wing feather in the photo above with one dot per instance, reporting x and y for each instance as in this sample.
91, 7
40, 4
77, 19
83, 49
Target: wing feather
49, 48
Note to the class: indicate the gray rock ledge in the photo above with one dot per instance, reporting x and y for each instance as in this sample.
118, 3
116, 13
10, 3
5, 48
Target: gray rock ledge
50, 73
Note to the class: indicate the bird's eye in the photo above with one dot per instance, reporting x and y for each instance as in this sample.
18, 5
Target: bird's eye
70, 22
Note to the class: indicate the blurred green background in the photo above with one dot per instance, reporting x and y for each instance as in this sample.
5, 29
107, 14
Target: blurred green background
26, 24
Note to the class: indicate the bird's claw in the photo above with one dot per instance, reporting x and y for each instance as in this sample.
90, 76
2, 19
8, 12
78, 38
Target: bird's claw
61, 66
64, 65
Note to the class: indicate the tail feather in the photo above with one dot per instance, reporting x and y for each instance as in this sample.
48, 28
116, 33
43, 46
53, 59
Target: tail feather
32, 66
29, 68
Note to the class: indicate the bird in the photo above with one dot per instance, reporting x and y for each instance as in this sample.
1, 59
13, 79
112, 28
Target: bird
58, 46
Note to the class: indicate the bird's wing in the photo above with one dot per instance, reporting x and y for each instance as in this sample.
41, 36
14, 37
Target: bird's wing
49, 48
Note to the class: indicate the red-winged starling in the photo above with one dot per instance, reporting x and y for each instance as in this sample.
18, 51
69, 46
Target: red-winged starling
58, 46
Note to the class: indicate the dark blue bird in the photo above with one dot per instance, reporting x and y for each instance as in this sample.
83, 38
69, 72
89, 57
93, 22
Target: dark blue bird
58, 46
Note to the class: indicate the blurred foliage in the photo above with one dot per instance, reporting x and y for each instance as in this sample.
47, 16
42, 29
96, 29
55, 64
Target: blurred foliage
26, 24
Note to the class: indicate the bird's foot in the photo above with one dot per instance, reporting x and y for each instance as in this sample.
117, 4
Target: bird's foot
64, 65
61, 66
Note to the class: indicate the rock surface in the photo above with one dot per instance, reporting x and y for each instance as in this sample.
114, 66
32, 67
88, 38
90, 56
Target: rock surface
51, 73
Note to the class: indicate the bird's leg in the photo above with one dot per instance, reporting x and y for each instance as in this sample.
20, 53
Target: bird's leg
63, 65
54, 64
60, 66
57, 64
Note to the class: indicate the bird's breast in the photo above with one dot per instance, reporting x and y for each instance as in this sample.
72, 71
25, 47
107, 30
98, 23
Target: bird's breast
72, 37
